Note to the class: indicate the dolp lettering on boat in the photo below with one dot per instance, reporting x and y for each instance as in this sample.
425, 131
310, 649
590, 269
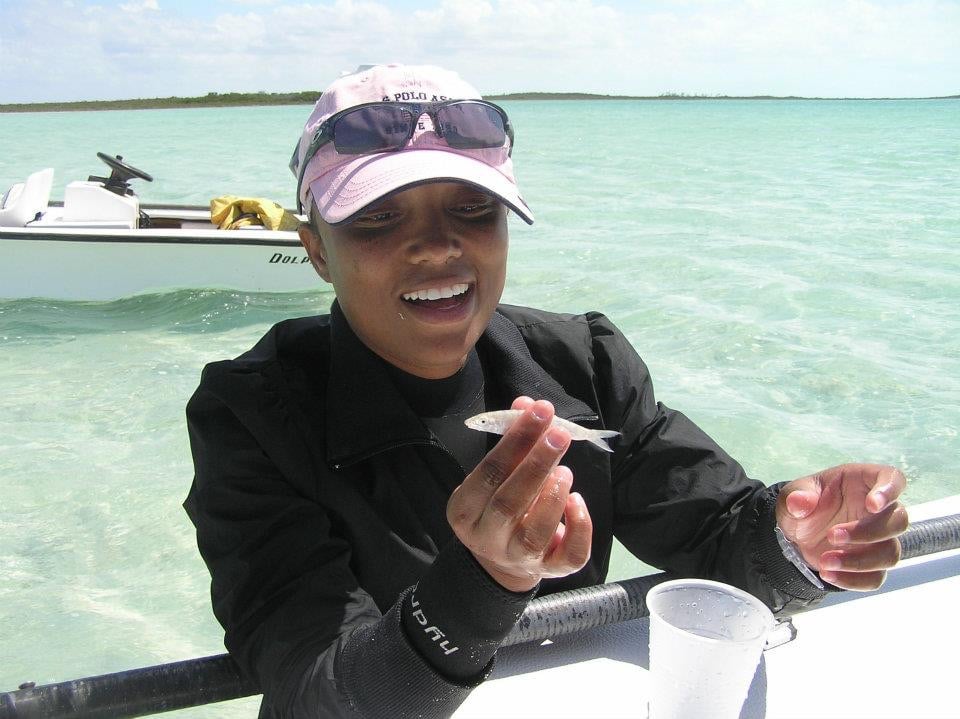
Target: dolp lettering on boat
282, 259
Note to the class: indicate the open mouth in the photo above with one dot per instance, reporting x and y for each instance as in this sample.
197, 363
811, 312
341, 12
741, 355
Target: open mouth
437, 293
439, 298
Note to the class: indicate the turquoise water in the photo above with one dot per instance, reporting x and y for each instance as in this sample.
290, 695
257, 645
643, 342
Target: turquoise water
790, 271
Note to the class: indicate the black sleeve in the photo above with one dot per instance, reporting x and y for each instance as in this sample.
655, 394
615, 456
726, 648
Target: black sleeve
457, 615
295, 617
681, 503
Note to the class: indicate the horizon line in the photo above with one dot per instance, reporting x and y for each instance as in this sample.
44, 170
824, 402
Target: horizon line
310, 96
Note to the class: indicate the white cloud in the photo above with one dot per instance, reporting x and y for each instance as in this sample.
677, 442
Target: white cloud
143, 48
134, 7
850, 47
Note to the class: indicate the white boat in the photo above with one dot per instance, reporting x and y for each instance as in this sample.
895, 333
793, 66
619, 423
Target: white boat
100, 243
886, 654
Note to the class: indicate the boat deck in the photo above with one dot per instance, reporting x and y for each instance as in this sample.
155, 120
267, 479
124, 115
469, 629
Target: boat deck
883, 654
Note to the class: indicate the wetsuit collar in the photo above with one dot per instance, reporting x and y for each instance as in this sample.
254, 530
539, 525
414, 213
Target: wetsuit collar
359, 381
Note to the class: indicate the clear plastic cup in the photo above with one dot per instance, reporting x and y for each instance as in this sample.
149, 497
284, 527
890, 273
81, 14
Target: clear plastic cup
705, 643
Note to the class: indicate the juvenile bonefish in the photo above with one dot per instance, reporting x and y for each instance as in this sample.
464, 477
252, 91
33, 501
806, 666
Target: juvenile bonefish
500, 421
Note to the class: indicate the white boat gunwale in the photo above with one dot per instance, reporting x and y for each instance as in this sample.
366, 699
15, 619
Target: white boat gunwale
533, 678
100, 243
154, 235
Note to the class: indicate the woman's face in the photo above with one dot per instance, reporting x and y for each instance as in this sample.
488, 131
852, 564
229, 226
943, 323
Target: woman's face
419, 274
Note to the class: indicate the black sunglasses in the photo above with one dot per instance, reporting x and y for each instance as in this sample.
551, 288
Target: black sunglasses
389, 126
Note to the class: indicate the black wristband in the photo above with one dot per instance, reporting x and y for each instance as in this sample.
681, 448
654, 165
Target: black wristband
457, 615
780, 573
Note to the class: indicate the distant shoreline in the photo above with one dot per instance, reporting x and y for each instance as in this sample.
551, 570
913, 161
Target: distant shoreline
254, 99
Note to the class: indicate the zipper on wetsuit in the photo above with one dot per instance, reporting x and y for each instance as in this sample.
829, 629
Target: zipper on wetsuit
356, 459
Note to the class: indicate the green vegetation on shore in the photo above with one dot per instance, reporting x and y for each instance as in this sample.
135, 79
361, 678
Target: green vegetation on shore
211, 99
308, 97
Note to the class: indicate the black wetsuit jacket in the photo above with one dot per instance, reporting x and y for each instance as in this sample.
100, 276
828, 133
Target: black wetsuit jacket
319, 500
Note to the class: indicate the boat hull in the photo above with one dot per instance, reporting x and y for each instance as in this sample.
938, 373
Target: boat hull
97, 264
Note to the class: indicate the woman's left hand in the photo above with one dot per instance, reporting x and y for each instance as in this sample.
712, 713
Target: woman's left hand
845, 521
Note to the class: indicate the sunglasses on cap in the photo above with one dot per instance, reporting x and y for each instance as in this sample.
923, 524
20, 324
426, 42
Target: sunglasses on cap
389, 126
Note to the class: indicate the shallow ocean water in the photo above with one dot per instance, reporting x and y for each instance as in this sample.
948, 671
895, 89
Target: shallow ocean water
789, 270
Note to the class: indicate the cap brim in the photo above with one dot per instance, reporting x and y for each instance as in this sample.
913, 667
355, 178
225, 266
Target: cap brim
344, 192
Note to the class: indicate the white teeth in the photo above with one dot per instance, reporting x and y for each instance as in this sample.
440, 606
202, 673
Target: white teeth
435, 293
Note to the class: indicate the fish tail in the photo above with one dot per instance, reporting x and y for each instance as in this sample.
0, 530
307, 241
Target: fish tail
598, 438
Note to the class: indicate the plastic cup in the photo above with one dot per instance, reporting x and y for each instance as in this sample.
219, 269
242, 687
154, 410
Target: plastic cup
706, 639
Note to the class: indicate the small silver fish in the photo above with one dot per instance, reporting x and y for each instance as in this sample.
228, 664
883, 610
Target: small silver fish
500, 421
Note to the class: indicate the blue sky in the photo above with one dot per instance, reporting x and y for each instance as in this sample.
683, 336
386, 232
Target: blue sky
60, 50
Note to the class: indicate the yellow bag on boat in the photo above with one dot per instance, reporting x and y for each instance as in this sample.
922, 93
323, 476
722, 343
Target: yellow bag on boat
230, 212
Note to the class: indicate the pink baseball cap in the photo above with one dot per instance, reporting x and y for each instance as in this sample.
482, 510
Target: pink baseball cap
343, 185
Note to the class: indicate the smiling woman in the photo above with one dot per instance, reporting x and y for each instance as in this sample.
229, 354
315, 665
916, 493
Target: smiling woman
385, 228
369, 552
419, 274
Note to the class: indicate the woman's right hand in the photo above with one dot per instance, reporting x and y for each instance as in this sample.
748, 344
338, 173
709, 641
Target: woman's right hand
515, 511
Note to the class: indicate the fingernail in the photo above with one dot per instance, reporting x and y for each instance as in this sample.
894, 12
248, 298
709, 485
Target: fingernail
556, 438
830, 562
839, 536
557, 486
540, 414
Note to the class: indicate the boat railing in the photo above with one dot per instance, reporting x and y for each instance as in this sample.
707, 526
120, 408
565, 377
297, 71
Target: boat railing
205, 680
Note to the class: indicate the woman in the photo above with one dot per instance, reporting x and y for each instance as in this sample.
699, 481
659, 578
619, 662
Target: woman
368, 551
